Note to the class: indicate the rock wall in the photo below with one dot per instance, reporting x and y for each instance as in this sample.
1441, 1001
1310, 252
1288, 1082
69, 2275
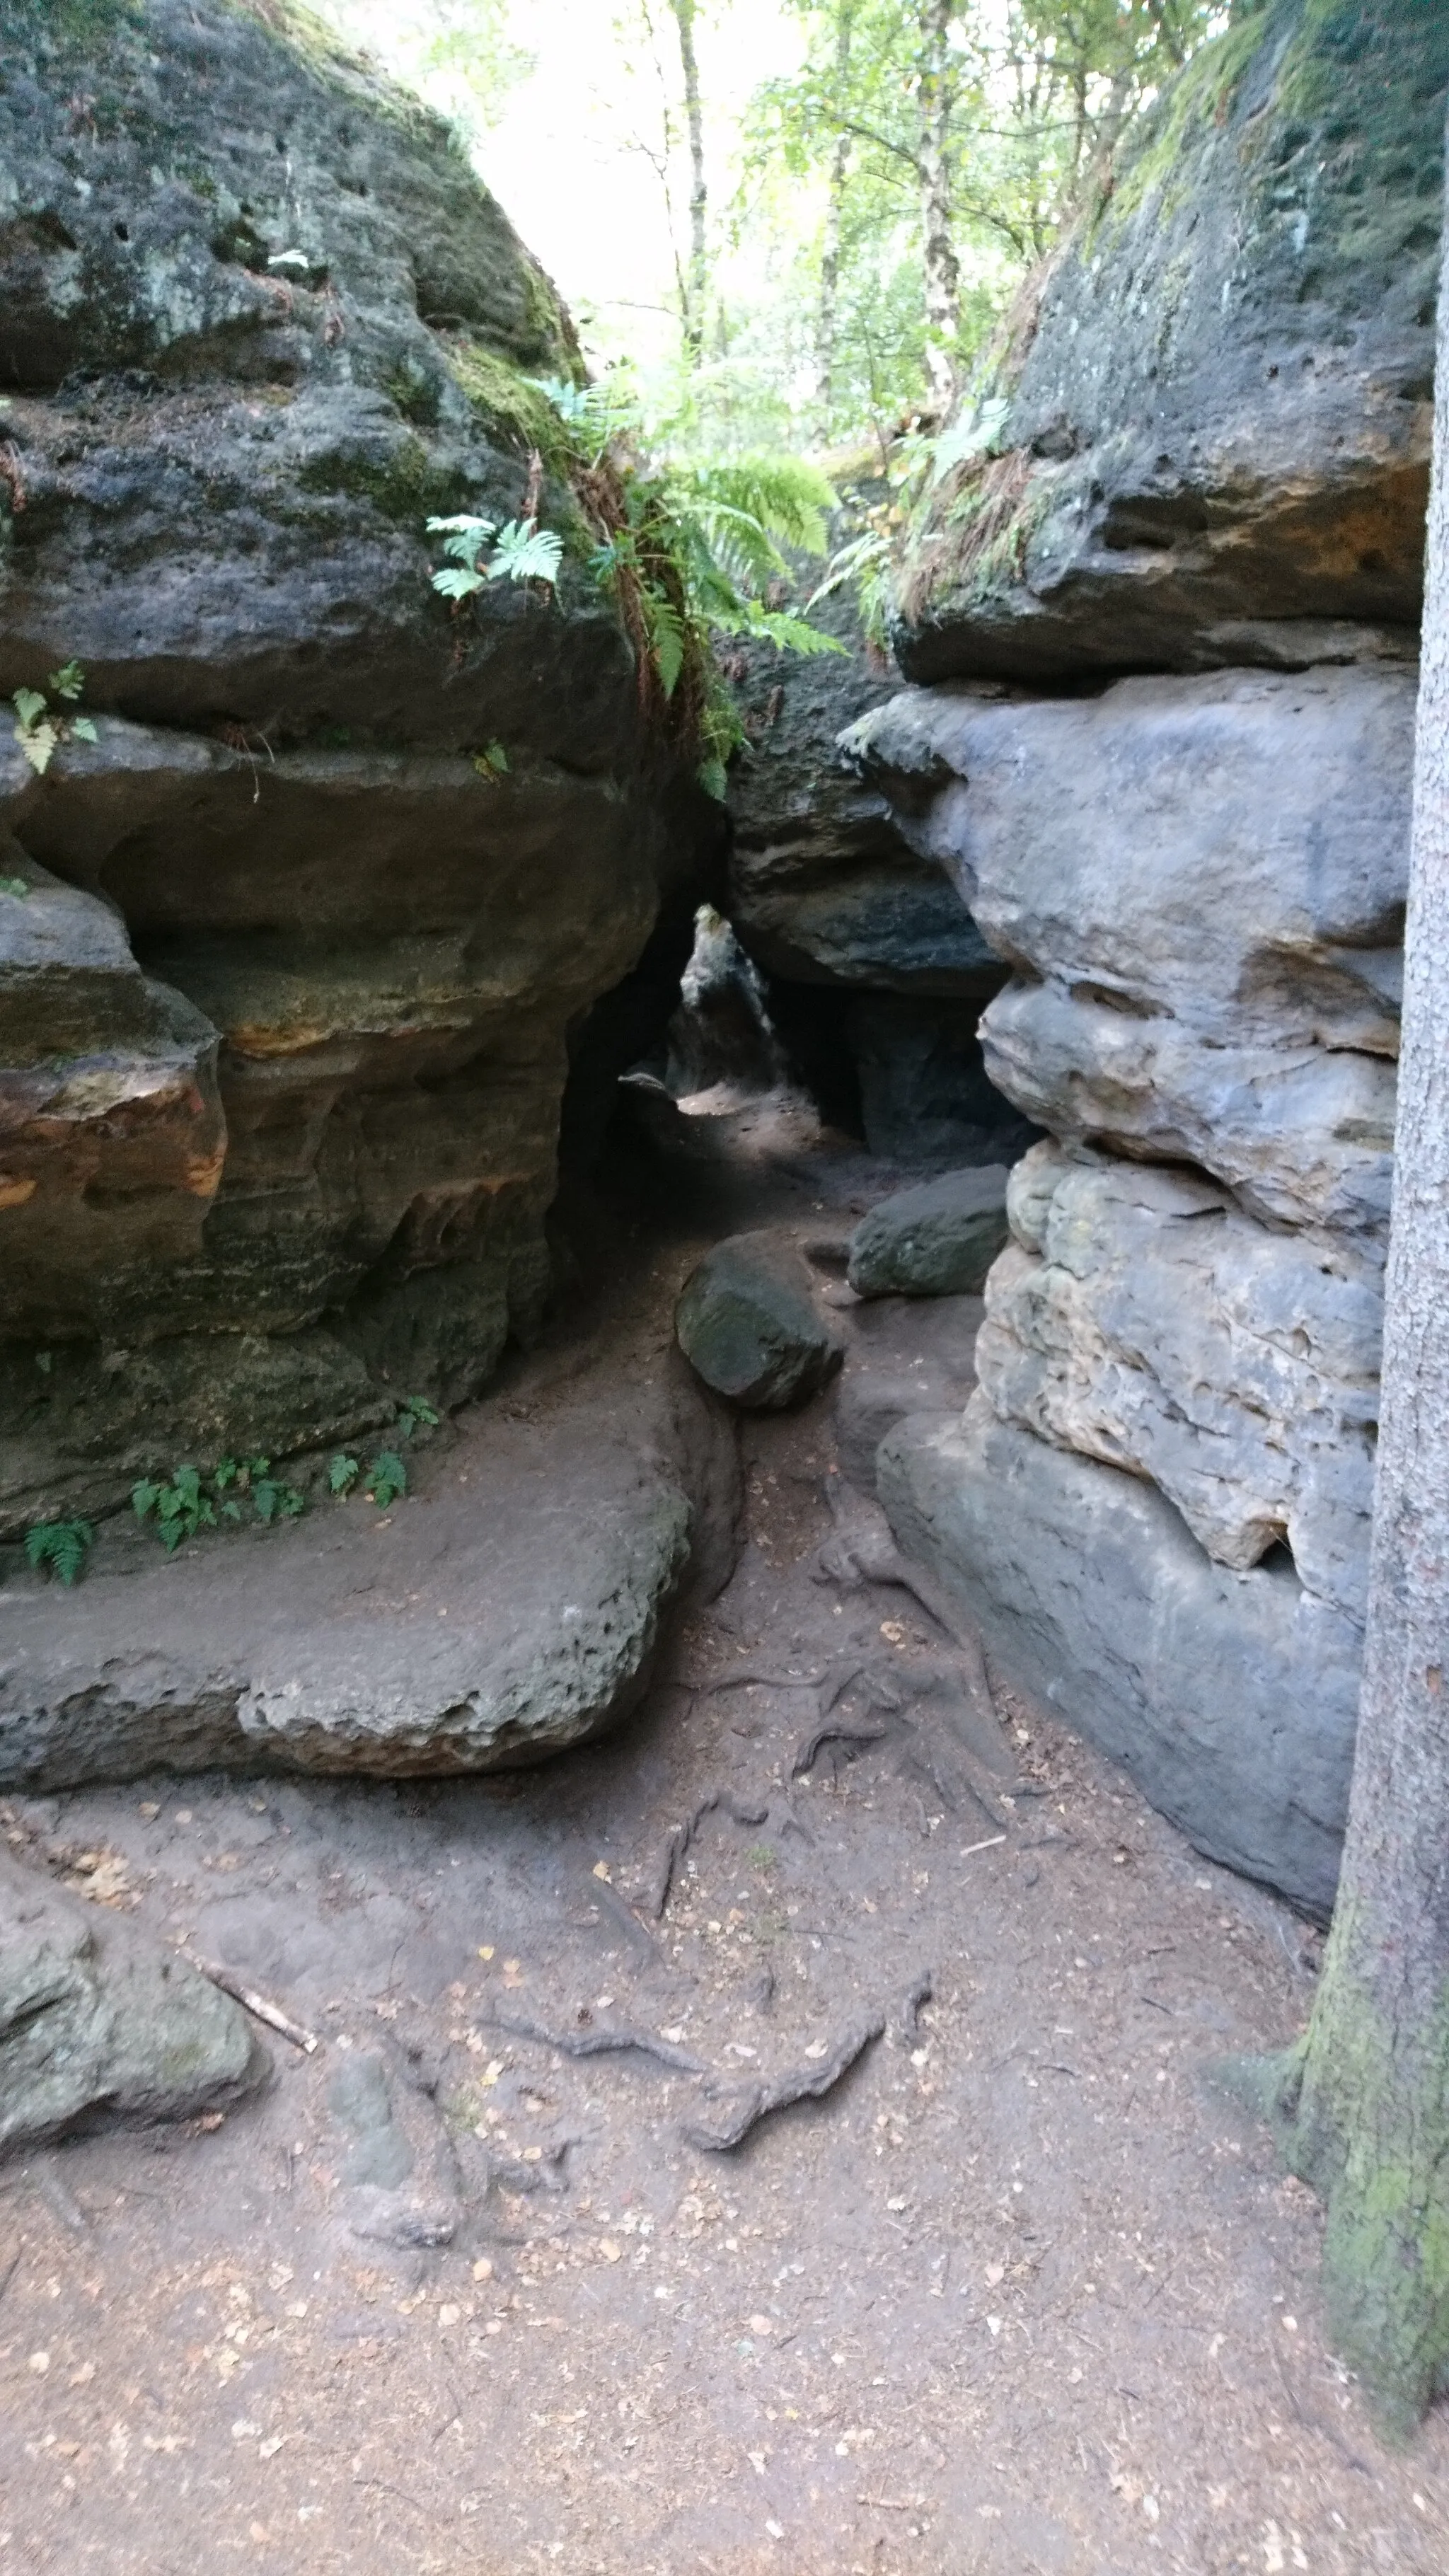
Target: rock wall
288, 972
1207, 428
1215, 448
876, 970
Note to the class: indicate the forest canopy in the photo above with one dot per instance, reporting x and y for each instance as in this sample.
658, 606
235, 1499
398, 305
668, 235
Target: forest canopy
800, 220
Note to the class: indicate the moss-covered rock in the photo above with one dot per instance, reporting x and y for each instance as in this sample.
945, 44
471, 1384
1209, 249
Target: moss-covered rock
286, 1143
1210, 434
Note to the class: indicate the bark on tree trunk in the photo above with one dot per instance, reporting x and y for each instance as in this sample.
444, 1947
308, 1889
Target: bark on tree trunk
942, 269
1365, 2095
831, 241
696, 276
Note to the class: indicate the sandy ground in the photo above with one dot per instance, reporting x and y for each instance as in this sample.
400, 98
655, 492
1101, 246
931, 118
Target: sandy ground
1020, 2293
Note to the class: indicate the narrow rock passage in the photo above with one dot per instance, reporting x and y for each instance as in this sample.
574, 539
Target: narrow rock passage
478, 2284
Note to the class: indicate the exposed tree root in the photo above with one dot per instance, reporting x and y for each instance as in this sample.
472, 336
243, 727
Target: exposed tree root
742, 2109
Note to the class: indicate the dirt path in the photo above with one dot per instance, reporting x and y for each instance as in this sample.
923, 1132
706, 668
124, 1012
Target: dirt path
1017, 2294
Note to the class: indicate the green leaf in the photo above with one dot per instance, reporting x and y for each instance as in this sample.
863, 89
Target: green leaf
29, 705
83, 729
61, 1545
144, 1499
14, 885
342, 1474
68, 682
39, 746
227, 1472
714, 779
387, 1477
525, 552
462, 526
454, 583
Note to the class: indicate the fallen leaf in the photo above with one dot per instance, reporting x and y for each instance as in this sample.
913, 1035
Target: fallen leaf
602, 1869
609, 2250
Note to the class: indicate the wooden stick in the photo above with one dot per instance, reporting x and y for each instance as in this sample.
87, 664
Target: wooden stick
257, 2005
989, 1845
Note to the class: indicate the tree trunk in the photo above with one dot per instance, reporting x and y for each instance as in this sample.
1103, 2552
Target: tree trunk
942, 269
696, 276
1365, 2095
834, 224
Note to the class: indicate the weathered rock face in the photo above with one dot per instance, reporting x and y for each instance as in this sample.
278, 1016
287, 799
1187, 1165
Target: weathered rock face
1201, 883
285, 1144
749, 1327
1231, 1698
1209, 465
508, 1610
937, 1240
1214, 436
1143, 1319
877, 971
96, 2025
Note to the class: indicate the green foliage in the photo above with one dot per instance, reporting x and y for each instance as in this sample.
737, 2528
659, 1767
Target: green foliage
62, 1546
521, 551
415, 1413
179, 1507
690, 550
1009, 121
342, 1474
188, 1502
386, 1478
14, 885
491, 762
41, 728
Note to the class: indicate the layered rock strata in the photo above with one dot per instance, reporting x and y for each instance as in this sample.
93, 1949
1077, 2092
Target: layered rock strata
1205, 438
876, 970
1157, 1500
289, 961
1201, 884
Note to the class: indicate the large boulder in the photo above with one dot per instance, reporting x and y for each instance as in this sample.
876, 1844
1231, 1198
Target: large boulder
1206, 436
311, 955
748, 1325
1142, 1319
1201, 882
508, 1609
96, 2025
936, 1240
1231, 1698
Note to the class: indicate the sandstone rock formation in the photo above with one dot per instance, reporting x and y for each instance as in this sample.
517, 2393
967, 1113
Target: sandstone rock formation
1201, 884
876, 970
1158, 1500
1230, 1698
748, 1325
96, 2024
1206, 439
936, 1240
308, 971
508, 1609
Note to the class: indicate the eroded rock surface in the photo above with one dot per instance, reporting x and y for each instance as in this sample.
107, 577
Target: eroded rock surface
509, 1608
1201, 883
1142, 1319
295, 1146
97, 2023
748, 1325
1231, 1698
1208, 439
936, 1240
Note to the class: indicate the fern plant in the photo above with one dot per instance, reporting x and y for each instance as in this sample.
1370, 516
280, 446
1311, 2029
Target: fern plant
690, 551
521, 551
62, 1547
41, 728
179, 1507
416, 1414
387, 1477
